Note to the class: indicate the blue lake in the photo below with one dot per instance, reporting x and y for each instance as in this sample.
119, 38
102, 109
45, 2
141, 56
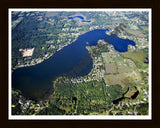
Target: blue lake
35, 81
80, 17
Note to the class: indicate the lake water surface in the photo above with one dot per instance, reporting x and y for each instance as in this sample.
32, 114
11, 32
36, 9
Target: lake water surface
35, 81
80, 17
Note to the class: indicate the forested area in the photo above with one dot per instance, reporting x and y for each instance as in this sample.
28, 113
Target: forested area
34, 31
89, 98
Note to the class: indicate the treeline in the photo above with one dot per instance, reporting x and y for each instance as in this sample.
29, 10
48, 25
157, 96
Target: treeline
31, 32
83, 98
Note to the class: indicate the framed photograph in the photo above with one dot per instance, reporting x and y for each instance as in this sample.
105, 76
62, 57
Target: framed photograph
83, 63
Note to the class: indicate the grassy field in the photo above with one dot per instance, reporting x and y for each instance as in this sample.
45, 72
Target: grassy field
115, 79
110, 68
137, 55
134, 27
122, 70
135, 32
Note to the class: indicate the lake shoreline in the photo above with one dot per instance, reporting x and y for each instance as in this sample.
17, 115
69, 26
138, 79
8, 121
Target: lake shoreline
41, 76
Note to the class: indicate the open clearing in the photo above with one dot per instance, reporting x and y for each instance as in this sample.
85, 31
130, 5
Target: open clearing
137, 55
110, 68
